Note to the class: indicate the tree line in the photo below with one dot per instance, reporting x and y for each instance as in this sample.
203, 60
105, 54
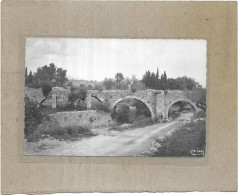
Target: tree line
155, 81
53, 76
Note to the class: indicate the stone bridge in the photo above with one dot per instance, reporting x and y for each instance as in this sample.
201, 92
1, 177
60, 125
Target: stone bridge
157, 101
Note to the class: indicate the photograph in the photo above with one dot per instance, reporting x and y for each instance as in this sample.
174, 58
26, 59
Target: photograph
115, 97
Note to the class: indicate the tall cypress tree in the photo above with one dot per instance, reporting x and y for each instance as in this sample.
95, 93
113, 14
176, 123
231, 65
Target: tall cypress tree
157, 73
26, 76
30, 77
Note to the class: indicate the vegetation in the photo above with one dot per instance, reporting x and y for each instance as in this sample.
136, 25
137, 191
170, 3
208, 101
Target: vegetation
181, 142
46, 89
52, 129
154, 81
33, 117
38, 124
104, 106
77, 95
50, 75
122, 113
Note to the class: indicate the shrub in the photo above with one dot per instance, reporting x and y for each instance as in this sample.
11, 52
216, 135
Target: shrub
121, 115
50, 128
77, 94
133, 89
46, 89
104, 106
181, 142
33, 117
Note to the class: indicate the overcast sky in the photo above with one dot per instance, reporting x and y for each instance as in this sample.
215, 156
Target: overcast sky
95, 59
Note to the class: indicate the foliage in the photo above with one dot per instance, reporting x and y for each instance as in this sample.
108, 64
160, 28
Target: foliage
108, 83
46, 74
136, 85
46, 89
119, 77
89, 87
98, 87
68, 84
104, 106
122, 85
154, 81
50, 128
121, 114
188, 137
77, 94
33, 117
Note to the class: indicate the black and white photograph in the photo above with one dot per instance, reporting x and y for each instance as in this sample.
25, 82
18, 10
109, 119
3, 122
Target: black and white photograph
115, 97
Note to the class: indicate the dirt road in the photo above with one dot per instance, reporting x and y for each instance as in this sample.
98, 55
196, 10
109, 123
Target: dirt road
110, 143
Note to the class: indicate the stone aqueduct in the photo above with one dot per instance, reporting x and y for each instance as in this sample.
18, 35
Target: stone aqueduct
157, 101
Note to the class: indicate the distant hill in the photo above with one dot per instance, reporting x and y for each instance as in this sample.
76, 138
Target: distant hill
77, 83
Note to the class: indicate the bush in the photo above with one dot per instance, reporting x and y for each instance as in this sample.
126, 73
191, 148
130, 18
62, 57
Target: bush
181, 142
104, 106
33, 117
133, 89
77, 94
46, 89
121, 115
50, 128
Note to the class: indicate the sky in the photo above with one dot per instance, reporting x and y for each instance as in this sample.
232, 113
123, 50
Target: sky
96, 59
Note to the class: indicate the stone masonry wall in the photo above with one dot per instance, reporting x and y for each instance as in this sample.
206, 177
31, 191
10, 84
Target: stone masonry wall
91, 118
36, 95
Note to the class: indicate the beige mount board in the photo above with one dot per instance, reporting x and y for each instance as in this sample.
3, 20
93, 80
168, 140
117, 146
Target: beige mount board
214, 21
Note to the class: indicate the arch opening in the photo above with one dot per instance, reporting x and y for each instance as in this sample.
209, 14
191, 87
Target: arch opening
131, 110
181, 109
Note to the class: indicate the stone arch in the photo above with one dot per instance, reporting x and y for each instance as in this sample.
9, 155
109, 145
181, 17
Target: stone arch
180, 100
137, 98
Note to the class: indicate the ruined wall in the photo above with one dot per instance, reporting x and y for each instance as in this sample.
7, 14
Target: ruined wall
91, 118
36, 95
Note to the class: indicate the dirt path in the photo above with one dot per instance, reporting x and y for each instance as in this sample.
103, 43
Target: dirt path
112, 143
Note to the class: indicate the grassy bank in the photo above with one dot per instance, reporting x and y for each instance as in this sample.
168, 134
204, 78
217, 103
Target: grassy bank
52, 129
187, 138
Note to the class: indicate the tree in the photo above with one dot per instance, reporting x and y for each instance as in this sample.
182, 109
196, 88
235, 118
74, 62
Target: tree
26, 76
50, 74
61, 76
69, 84
108, 83
119, 77
90, 87
163, 81
157, 74
46, 89
98, 87
150, 80
77, 94
146, 79
30, 78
